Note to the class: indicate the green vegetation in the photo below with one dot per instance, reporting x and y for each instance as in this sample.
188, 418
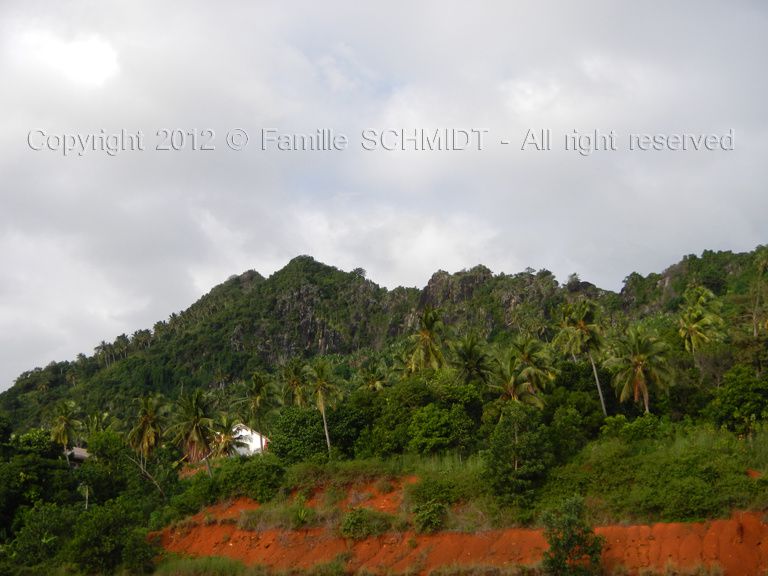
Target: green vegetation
504, 394
574, 549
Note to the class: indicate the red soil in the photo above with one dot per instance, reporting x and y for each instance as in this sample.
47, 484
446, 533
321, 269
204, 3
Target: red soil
738, 545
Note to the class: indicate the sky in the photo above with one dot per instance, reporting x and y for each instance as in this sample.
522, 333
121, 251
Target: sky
95, 243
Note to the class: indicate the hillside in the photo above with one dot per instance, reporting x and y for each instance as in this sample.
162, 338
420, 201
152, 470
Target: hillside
307, 308
485, 404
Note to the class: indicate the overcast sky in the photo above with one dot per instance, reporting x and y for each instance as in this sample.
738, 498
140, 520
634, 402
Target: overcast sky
95, 245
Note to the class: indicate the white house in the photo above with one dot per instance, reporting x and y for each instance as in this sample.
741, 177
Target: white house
252, 441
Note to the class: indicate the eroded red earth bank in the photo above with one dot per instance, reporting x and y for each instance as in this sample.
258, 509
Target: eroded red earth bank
739, 545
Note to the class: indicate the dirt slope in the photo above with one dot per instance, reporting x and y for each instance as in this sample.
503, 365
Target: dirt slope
739, 545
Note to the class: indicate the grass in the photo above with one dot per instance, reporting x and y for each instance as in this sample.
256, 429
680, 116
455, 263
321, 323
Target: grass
219, 566
284, 515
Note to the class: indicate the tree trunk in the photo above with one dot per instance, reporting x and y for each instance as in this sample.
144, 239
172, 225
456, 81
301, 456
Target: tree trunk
327, 436
597, 382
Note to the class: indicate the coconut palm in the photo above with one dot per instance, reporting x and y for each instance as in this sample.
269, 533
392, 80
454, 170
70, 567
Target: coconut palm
506, 379
147, 433
534, 361
639, 361
425, 343
224, 441
581, 334
700, 322
471, 360
323, 388
65, 425
758, 288
96, 422
292, 378
372, 376
192, 427
259, 400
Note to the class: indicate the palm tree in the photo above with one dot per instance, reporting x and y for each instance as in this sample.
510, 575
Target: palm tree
700, 322
193, 426
292, 377
324, 389
65, 425
758, 287
639, 361
534, 362
147, 433
96, 422
581, 334
507, 380
471, 360
372, 376
224, 442
425, 352
258, 401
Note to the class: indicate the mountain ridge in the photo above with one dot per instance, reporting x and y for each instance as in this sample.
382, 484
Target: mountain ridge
250, 323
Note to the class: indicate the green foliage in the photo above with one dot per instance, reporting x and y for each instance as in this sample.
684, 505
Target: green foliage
691, 474
104, 538
519, 454
429, 516
297, 435
434, 429
46, 529
574, 549
741, 400
258, 477
361, 523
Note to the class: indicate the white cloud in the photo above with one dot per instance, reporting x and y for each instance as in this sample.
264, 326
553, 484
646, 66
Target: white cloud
91, 247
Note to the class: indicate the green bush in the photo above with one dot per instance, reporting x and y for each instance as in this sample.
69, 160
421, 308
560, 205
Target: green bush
430, 516
258, 477
574, 549
297, 435
46, 529
361, 523
433, 489
700, 473
519, 455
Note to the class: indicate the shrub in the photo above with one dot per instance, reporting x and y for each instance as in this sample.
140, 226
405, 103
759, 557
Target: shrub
519, 454
574, 549
258, 477
430, 516
361, 523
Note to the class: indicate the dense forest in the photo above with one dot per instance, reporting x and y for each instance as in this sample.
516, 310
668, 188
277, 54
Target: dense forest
508, 392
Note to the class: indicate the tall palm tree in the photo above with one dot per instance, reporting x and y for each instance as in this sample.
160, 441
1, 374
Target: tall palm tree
700, 322
324, 390
259, 399
507, 380
292, 378
425, 343
581, 334
639, 361
758, 288
471, 360
65, 425
224, 441
372, 376
193, 425
147, 433
96, 422
534, 362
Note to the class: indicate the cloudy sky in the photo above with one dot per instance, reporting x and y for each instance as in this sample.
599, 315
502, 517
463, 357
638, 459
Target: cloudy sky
95, 245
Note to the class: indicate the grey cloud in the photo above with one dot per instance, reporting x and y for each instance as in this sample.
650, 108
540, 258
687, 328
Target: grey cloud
95, 246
